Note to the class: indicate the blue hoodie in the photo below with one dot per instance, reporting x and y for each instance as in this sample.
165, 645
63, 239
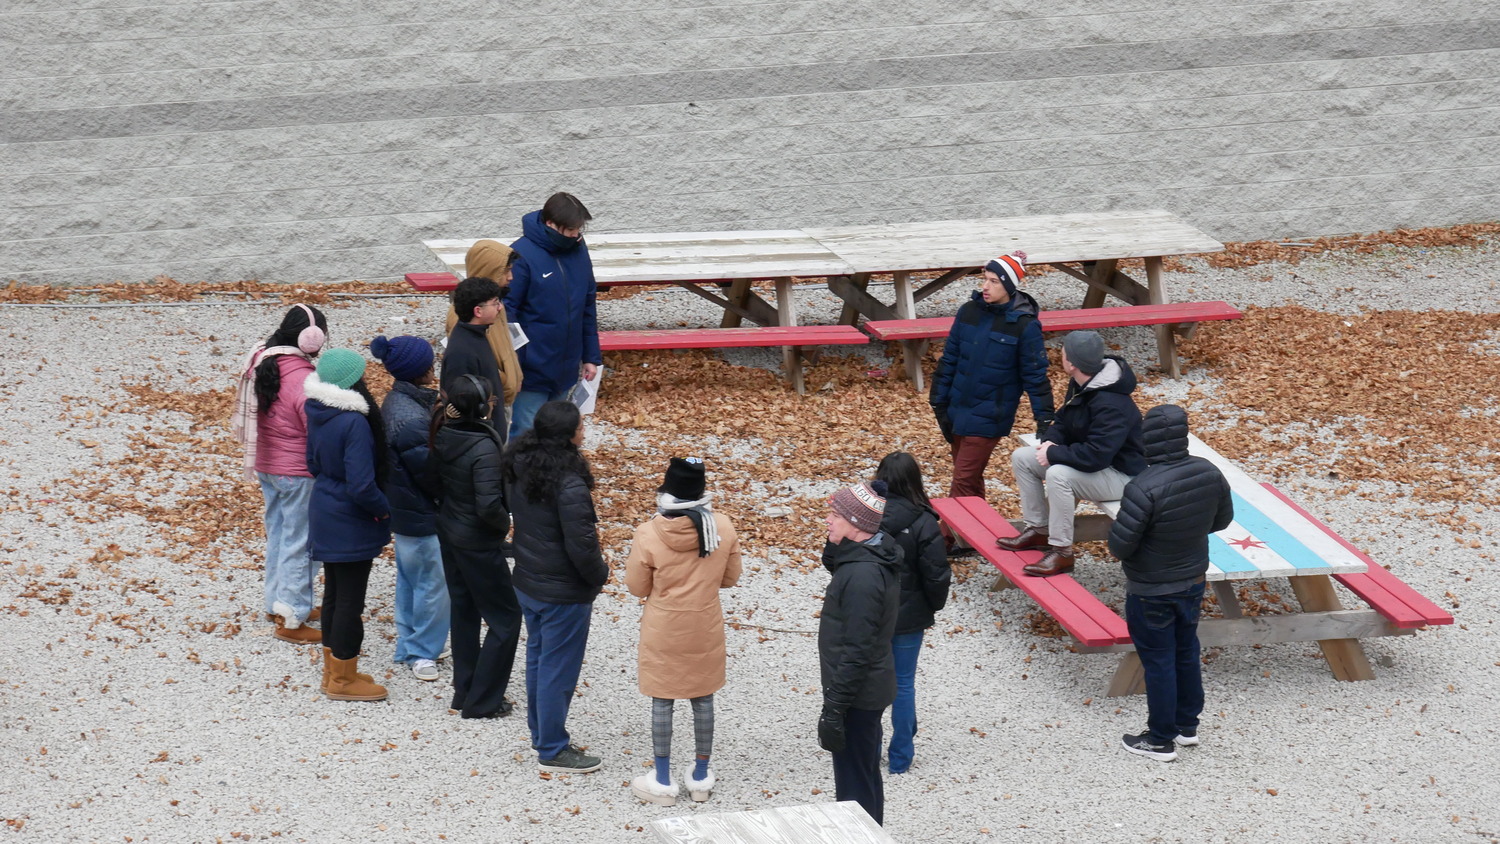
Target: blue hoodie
552, 298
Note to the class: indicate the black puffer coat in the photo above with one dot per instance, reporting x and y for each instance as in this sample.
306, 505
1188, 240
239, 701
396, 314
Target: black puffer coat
1168, 511
1098, 424
858, 620
471, 499
925, 573
406, 412
557, 542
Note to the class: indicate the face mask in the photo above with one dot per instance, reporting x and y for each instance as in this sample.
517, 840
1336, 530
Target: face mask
560, 240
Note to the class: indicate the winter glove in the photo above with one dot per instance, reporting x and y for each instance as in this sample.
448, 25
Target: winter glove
1043, 423
831, 730
945, 425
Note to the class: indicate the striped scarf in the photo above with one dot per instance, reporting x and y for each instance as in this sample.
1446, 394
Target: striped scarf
701, 514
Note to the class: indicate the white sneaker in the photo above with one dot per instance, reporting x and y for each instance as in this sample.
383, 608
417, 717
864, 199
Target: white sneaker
425, 669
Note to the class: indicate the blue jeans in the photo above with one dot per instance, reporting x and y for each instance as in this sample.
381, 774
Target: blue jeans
290, 570
904, 647
556, 635
421, 599
523, 409
1165, 631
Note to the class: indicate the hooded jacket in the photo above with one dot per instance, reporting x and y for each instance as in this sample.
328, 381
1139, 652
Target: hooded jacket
858, 620
1168, 510
407, 413
557, 554
551, 296
1098, 425
925, 573
282, 439
469, 353
682, 627
993, 354
471, 498
348, 515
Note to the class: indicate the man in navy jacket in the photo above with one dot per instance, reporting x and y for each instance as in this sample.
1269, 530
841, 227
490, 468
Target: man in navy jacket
1091, 451
551, 297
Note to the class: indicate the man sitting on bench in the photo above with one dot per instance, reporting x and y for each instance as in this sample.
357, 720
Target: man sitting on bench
1091, 451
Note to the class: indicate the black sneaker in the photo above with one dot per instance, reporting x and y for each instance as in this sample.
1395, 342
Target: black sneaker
571, 761
1187, 738
1141, 745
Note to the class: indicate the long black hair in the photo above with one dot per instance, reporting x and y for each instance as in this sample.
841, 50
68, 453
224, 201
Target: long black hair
902, 477
540, 458
268, 372
377, 431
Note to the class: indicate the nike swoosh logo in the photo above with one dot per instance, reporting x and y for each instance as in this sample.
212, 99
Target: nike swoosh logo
546, 275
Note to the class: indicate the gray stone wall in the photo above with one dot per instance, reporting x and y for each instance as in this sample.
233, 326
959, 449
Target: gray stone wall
308, 140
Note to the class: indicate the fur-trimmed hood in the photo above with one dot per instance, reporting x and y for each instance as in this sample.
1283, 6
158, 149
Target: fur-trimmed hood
334, 397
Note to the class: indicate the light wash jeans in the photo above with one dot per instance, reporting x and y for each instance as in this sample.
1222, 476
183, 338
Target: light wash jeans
290, 570
904, 648
422, 607
523, 409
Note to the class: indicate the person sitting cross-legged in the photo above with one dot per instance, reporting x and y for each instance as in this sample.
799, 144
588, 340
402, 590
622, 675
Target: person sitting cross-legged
1091, 451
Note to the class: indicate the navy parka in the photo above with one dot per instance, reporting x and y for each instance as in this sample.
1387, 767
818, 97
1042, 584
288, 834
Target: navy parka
551, 297
348, 515
993, 354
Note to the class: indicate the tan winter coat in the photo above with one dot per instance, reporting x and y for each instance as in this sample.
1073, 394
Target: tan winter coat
682, 628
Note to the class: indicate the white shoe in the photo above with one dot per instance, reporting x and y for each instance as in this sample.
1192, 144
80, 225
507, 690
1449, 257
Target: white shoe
648, 789
699, 790
424, 669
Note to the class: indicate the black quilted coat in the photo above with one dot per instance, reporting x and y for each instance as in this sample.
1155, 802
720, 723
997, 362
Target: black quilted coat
557, 554
1168, 511
471, 510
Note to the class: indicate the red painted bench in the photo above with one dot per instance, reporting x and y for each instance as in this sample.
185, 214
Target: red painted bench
1385, 592
725, 338
1084, 616
1074, 320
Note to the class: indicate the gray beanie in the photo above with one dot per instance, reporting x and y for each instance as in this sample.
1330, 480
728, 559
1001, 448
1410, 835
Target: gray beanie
1085, 350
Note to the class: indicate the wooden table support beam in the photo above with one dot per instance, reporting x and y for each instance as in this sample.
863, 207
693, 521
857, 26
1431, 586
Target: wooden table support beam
1345, 655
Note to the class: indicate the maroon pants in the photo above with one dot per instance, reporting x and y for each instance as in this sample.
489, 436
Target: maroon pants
970, 457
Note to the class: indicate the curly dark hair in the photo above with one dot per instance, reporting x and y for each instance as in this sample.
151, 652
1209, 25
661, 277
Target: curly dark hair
268, 372
539, 459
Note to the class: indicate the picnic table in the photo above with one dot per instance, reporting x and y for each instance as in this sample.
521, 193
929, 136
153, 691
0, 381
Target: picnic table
1270, 538
813, 823
722, 267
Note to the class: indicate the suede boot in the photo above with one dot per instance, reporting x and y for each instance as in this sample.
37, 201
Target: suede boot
328, 670
344, 682
303, 635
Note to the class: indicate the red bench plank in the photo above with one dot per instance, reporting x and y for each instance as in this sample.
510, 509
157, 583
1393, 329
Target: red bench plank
1073, 320
1384, 591
723, 338
432, 282
1084, 616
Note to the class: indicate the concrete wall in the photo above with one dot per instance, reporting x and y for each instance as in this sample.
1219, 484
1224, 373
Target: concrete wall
324, 139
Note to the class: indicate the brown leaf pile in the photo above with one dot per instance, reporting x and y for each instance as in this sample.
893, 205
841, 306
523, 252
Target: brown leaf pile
1250, 253
1404, 393
166, 289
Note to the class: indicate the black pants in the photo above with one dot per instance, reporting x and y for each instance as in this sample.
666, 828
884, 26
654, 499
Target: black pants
856, 768
479, 588
344, 606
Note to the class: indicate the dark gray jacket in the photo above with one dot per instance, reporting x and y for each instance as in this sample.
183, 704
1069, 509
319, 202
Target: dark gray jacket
858, 620
557, 542
1168, 511
471, 508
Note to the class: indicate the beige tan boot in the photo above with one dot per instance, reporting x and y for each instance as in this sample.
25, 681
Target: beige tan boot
302, 635
328, 670
344, 682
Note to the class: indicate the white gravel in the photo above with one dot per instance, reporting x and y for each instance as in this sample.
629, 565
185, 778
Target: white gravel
168, 733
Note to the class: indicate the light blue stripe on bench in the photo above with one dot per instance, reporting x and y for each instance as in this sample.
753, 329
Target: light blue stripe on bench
1221, 554
1276, 537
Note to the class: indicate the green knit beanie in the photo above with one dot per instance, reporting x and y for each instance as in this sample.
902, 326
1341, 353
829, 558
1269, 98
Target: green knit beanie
340, 367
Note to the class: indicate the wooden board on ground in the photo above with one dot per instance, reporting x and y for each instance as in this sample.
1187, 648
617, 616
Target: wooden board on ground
815, 823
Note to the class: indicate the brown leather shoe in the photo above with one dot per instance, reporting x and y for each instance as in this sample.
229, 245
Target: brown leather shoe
1057, 561
1031, 537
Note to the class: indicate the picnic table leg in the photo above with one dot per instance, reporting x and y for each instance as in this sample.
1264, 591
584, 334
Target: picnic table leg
1001, 582
791, 356
1166, 339
1346, 657
850, 314
1102, 272
1129, 677
739, 294
911, 350
1229, 603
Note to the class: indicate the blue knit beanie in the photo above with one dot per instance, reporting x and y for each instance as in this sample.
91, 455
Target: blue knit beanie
340, 367
406, 358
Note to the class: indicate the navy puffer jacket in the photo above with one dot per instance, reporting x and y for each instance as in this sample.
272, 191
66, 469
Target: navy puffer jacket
348, 515
407, 412
1098, 425
1168, 511
551, 296
993, 354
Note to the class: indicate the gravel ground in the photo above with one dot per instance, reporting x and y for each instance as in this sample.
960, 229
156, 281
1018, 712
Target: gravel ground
143, 699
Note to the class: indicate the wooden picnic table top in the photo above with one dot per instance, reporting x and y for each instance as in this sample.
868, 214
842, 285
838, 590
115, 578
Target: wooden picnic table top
636, 258
813, 823
1269, 537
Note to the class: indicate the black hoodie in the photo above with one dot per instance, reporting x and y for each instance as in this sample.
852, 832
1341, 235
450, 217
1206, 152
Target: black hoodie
858, 620
925, 574
1098, 425
1168, 511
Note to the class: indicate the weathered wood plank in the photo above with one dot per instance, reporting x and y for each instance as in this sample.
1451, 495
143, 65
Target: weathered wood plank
817, 823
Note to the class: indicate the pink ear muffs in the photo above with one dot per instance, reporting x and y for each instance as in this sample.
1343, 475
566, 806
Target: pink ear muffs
312, 338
